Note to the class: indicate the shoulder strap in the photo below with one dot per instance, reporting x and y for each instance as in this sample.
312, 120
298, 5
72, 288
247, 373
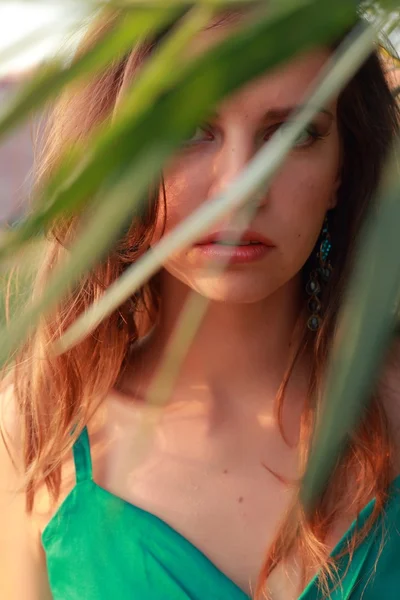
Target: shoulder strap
82, 458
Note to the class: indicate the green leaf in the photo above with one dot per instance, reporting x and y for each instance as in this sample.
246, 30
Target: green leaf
121, 203
170, 118
366, 325
127, 29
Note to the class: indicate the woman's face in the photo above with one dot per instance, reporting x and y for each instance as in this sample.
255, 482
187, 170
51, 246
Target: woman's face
290, 214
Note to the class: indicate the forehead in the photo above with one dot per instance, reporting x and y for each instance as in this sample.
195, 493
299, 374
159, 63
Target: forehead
285, 85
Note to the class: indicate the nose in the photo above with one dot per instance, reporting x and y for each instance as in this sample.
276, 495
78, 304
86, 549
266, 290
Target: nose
231, 160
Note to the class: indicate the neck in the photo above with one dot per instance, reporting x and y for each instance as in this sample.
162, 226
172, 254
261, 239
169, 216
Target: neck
238, 348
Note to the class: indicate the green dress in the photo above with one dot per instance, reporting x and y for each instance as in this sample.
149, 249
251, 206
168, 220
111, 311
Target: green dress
100, 547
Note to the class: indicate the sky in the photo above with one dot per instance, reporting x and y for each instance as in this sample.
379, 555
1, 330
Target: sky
51, 20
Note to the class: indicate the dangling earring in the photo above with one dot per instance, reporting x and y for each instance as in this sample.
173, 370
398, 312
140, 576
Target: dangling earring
319, 276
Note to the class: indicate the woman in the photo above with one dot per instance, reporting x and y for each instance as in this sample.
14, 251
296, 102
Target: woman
193, 517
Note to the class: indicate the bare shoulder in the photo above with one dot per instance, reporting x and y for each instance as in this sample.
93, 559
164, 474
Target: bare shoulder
20, 547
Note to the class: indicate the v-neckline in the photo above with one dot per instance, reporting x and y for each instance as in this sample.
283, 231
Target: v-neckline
176, 534
84, 474
195, 550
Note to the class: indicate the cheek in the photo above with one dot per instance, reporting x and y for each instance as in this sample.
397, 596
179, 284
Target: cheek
186, 185
300, 197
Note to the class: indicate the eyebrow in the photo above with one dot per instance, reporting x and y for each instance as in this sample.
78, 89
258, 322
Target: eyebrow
275, 114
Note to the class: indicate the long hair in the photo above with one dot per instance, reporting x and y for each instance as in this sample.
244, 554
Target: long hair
56, 393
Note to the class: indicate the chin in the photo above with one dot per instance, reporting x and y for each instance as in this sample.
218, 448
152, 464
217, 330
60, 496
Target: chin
232, 290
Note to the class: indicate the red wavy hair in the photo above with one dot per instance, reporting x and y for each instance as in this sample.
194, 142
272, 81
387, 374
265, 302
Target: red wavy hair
53, 393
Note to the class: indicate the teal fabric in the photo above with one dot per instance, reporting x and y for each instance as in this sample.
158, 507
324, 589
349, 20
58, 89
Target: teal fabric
100, 547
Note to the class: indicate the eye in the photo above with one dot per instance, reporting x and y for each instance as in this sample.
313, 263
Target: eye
306, 138
200, 134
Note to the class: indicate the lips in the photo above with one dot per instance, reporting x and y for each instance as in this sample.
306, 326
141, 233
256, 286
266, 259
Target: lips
235, 239
233, 248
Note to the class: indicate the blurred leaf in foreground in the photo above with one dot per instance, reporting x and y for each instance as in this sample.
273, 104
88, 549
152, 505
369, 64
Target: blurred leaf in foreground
171, 117
366, 325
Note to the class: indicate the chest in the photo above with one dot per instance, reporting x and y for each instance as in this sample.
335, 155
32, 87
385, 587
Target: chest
212, 483
210, 486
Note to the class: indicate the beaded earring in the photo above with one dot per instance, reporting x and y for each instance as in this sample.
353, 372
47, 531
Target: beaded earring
318, 277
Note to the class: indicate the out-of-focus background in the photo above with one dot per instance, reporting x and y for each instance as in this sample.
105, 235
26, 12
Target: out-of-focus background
31, 33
